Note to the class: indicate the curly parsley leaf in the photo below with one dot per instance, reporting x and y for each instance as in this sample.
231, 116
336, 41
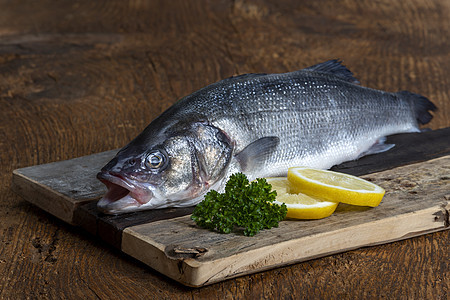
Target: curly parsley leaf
243, 204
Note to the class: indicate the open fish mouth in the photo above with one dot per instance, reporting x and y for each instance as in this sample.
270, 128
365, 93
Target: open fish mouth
122, 195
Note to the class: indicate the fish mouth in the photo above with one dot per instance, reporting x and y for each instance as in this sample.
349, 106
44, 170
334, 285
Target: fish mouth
123, 195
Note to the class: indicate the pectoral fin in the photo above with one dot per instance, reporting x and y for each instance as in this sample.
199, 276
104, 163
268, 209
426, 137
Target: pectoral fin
254, 156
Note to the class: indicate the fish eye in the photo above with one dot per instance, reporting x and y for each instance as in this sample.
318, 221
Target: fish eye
155, 160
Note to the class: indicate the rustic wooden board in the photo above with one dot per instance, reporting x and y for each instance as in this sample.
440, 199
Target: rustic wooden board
61, 187
416, 202
68, 190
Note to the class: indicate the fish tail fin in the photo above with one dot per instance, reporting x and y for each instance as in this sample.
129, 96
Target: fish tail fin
422, 106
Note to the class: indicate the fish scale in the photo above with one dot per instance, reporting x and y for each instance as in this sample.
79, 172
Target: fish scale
258, 124
302, 114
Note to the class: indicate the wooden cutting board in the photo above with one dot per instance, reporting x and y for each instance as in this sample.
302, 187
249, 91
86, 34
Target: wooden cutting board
415, 174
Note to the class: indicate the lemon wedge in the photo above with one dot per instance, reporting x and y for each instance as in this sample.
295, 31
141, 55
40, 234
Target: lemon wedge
334, 186
300, 206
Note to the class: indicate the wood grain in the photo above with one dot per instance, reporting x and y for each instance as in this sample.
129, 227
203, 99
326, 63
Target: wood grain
78, 78
63, 186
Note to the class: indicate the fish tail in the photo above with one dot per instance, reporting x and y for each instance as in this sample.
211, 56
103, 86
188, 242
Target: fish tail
422, 106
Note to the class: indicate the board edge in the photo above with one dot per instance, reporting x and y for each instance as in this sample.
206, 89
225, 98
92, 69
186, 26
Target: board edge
191, 271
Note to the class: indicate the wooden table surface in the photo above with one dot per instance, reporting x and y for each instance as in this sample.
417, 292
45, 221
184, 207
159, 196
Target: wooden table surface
81, 77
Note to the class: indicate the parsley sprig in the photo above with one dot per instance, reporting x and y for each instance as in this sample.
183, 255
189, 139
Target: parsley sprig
243, 205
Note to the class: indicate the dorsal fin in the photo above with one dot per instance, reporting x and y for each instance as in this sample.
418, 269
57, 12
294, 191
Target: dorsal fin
335, 68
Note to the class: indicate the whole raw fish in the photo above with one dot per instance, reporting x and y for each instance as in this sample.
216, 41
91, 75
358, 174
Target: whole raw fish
258, 124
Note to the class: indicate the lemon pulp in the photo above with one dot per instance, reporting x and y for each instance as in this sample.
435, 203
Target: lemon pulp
299, 205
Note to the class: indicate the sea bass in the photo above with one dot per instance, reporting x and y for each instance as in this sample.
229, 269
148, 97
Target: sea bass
258, 124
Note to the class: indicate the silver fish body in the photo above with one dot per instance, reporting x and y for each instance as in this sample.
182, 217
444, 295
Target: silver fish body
258, 124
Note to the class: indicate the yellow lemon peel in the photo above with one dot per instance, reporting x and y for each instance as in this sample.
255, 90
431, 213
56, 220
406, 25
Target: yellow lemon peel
334, 186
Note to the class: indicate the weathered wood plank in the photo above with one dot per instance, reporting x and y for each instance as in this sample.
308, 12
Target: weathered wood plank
109, 228
416, 202
60, 187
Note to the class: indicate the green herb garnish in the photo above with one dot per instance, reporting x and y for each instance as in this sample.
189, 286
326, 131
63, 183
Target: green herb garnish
246, 205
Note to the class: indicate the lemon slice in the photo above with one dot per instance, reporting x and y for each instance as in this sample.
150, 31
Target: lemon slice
300, 206
334, 186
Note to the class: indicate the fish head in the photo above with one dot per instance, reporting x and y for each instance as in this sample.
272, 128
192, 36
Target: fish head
172, 172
